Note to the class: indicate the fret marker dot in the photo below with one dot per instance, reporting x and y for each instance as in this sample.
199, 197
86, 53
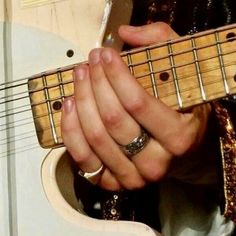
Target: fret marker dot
234, 78
57, 105
164, 76
70, 53
230, 36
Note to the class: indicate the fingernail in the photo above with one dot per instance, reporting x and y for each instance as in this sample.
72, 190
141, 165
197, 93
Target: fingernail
68, 104
106, 56
94, 56
79, 73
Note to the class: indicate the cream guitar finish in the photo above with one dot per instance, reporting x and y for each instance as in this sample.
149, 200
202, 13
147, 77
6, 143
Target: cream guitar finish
36, 35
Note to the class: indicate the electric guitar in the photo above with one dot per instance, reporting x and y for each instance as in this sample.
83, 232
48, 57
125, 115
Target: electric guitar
182, 73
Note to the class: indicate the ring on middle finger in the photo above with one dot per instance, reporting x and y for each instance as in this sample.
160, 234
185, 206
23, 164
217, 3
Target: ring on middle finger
137, 144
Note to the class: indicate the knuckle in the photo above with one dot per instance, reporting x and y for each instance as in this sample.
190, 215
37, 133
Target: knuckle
82, 156
181, 143
110, 185
112, 119
136, 105
67, 127
96, 136
153, 173
132, 185
132, 182
164, 30
163, 27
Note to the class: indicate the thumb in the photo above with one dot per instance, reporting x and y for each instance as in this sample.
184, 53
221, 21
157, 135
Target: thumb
147, 34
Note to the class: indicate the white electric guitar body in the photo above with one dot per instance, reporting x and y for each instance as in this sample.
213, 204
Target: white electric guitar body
36, 185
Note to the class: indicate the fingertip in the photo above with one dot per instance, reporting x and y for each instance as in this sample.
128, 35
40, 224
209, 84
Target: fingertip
80, 72
128, 34
67, 105
123, 29
146, 34
106, 56
94, 56
109, 182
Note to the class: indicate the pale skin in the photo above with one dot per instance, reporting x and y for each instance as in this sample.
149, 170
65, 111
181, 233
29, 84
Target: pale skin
109, 107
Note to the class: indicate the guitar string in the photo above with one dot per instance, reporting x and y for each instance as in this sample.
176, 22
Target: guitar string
146, 87
22, 148
58, 111
46, 114
57, 124
18, 138
133, 65
125, 53
161, 98
133, 51
168, 94
17, 121
36, 144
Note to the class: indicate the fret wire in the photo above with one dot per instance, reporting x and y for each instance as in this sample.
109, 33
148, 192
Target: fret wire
221, 60
52, 125
58, 124
62, 91
173, 69
160, 45
174, 54
144, 75
182, 65
199, 76
50, 86
155, 59
138, 77
153, 80
130, 64
50, 100
46, 114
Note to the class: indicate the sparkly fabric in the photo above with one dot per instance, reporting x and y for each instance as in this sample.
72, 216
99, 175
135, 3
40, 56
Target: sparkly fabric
185, 16
194, 210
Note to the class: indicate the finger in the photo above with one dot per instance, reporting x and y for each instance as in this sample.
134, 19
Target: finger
74, 139
150, 112
147, 34
97, 136
78, 147
109, 182
121, 126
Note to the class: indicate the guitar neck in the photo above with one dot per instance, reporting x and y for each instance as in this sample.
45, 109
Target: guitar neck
182, 73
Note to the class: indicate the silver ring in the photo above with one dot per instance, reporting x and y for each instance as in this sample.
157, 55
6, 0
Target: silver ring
92, 177
137, 145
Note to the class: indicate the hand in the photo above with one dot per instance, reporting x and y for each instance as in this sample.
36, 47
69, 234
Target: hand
109, 107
